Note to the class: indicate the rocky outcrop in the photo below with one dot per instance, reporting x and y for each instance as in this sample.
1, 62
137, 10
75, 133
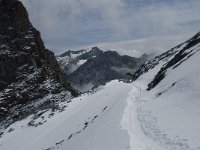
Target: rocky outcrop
186, 52
171, 60
28, 71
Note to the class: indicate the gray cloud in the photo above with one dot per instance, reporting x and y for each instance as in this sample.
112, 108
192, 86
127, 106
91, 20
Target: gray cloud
73, 23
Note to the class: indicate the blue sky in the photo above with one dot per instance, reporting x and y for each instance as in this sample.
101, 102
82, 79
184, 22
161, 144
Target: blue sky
72, 24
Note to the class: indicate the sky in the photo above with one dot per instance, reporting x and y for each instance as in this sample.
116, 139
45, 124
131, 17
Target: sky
123, 25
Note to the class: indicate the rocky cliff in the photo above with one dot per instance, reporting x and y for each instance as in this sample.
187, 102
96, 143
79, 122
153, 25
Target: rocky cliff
28, 71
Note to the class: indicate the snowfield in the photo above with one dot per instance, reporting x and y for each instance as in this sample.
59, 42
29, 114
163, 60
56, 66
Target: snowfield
92, 120
122, 116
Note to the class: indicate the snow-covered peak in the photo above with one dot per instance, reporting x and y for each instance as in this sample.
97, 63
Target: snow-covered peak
76, 58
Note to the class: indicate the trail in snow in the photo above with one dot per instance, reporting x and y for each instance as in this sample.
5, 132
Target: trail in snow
130, 123
95, 122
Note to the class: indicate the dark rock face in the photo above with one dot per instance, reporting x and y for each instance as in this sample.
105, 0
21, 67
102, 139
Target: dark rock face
13, 14
28, 71
180, 57
100, 67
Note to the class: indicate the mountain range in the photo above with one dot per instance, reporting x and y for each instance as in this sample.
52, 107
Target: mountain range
39, 109
88, 68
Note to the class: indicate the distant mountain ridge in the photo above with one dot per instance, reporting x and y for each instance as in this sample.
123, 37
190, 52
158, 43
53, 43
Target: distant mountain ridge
87, 68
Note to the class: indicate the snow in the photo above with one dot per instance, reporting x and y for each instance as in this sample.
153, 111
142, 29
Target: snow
121, 116
74, 55
74, 67
170, 112
63, 61
101, 111
177, 109
81, 62
130, 123
71, 60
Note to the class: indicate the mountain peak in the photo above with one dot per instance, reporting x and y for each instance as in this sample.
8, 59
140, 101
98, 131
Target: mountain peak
13, 15
95, 48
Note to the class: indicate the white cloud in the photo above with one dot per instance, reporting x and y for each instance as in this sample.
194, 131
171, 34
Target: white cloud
156, 44
86, 22
67, 17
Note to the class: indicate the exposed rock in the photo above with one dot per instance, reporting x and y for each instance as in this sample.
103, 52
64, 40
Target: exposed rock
28, 71
180, 57
98, 67
172, 59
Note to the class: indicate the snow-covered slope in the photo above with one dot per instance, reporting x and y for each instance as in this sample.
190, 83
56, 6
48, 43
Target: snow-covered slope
170, 110
158, 111
69, 61
91, 121
121, 116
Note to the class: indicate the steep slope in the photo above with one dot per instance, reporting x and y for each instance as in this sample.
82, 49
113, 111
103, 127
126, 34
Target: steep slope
29, 74
168, 111
165, 117
174, 56
158, 111
91, 121
86, 69
172, 106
